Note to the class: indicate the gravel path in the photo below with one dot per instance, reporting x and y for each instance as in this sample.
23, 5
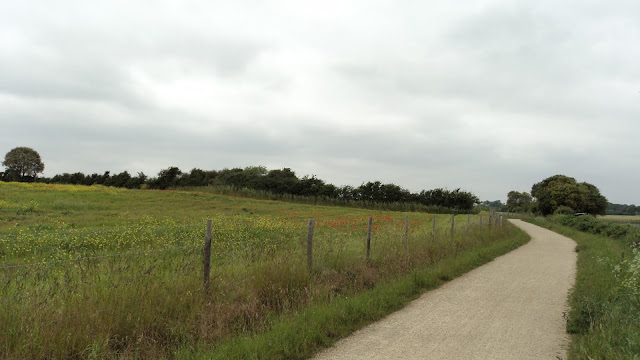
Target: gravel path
510, 308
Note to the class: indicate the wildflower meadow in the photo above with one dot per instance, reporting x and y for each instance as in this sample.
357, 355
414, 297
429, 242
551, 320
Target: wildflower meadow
99, 272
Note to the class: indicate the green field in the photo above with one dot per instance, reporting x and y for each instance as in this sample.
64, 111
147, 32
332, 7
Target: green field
97, 272
622, 219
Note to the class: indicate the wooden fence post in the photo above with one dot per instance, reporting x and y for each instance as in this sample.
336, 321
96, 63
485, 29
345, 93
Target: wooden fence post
453, 224
406, 233
433, 229
480, 219
468, 222
207, 256
310, 244
369, 238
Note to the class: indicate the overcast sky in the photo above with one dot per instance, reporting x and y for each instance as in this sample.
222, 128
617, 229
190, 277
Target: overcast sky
489, 96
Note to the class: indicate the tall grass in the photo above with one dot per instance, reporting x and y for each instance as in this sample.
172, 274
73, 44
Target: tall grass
300, 334
152, 304
605, 301
135, 290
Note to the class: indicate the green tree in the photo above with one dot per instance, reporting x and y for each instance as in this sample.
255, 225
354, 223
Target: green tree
622, 209
495, 205
594, 203
256, 171
166, 178
518, 201
561, 190
23, 163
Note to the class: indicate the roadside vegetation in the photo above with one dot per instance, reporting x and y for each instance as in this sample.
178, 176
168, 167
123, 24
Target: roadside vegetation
621, 231
605, 302
101, 272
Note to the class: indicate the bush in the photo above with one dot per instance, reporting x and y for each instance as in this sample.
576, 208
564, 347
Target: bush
564, 210
592, 225
566, 220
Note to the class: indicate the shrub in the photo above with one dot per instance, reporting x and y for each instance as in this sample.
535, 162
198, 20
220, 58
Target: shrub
566, 220
564, 210
595, 226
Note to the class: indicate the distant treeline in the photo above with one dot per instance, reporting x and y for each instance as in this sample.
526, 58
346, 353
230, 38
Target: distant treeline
279, 181
622, 209
493, 205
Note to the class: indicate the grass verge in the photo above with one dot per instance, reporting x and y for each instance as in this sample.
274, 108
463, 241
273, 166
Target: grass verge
300, 335
605, 304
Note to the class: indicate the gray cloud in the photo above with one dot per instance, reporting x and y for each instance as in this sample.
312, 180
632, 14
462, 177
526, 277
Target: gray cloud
490, 97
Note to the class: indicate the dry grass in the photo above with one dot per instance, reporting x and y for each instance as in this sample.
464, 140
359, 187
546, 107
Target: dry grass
621, 219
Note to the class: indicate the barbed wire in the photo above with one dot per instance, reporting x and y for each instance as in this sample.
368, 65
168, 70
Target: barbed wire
6, 266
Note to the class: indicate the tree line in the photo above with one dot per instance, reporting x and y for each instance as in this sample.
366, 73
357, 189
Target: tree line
623, 209
558, 194
277, 181
23, 164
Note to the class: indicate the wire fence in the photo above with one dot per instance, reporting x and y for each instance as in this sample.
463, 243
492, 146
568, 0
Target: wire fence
201, 239
148, 229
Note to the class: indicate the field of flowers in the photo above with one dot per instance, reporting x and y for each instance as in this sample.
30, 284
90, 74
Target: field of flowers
97, 272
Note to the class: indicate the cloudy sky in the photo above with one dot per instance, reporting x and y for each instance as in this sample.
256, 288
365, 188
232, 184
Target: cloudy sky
486, 95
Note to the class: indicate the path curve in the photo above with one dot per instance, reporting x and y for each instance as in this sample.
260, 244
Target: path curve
510, 308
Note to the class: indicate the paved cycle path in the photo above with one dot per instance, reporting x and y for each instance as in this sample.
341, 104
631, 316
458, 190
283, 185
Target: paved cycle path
510, 308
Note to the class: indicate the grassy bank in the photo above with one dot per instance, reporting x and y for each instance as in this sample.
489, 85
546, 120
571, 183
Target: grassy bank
605, 303
299, 335
95, 272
